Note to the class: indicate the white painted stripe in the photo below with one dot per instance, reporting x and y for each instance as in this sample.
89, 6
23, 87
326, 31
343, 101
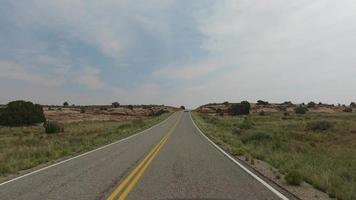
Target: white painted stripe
81, 155
280, 195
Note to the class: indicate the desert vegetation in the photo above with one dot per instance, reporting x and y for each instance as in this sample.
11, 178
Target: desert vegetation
313, 147
31, 135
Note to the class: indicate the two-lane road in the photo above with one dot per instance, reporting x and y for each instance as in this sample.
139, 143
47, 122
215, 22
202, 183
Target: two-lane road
170, 161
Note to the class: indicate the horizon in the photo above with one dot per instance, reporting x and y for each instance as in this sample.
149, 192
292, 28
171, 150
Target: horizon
177, 52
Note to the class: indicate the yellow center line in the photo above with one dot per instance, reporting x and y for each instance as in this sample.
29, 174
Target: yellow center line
136, 174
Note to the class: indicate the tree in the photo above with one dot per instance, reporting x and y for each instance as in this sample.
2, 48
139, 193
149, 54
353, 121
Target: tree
353, 105
21, 113
242, 108
65, 104
182, 107
130, 107
115, 104
226, 103
260, 102
311, 104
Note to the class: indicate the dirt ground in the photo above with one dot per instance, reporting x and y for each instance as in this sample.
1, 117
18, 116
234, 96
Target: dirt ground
79, 114
273, 107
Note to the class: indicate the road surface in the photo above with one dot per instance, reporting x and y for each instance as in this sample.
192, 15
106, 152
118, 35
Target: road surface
170, 161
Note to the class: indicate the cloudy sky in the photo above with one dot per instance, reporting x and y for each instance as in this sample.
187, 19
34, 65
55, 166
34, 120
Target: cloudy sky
177, 52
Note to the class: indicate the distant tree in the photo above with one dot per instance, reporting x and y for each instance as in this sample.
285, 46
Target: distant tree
115, 104
226, 103
182, 107
242, 108
260, 102
311, 104
301, 110
65, 104
21, 113
353, 105
130, 107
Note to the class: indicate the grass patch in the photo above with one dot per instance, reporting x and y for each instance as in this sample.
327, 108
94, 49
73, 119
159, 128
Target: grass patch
26, 147
294, 143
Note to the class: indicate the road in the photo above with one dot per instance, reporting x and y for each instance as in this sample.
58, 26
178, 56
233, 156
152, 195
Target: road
170, 161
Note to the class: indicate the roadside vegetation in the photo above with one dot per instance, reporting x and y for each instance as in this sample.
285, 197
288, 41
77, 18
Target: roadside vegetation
317, 148
24, 147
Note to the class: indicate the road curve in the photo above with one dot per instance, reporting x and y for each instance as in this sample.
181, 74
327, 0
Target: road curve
170, 161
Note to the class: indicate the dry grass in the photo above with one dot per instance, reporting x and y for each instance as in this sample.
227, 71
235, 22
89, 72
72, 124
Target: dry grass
26, 147
326, 158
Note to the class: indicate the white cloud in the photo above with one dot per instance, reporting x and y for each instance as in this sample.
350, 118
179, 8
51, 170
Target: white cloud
89, 77
281, 50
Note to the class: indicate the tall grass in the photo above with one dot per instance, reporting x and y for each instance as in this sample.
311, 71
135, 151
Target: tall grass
321, 148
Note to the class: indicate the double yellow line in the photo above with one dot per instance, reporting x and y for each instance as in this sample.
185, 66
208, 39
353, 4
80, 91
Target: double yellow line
125, 187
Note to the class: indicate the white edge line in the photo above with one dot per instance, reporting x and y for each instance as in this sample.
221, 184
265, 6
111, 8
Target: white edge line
86, 153
280, 195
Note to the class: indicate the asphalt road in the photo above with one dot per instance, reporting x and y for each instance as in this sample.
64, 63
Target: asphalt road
170, 161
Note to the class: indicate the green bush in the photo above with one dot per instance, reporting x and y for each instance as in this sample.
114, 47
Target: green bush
82, 110
21, 113
246, 124
311, 104
294, 178
115, 104
52, 127
262, 113
321, 125
260, 102
347, 110
242, 108
256, 137
301, 110
160, 112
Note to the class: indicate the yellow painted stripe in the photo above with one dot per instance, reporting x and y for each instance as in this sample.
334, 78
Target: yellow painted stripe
128, 178
140, 169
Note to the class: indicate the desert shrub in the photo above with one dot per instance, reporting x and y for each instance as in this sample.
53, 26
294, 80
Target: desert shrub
301, 110
353, 105
242, 108
226, 103
347, 110
115, 104
246, 124
103, 108
160, 112
260, 102
131, 107
311, 104
65, 104
82, 110
262, 113
294, 178
321, 125
52, 127
236, 131
256, 137
286, 114
21, 113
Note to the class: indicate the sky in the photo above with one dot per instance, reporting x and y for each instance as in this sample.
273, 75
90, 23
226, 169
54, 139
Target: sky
177, 52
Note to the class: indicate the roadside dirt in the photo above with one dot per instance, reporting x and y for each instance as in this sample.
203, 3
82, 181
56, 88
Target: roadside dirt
305, 191
79, 114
